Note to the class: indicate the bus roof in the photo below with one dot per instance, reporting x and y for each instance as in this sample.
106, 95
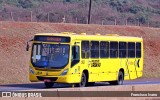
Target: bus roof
97, 36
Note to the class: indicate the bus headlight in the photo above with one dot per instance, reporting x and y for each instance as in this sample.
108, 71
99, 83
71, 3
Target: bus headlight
64, 72
31, 70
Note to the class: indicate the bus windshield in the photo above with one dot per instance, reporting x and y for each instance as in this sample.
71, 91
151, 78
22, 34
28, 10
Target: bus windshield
50, 55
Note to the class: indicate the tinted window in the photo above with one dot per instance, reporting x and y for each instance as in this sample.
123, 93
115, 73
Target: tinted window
75, 55
131, 50
85, 49
94, 49
104, 49
122, 49
138, 50
113, 49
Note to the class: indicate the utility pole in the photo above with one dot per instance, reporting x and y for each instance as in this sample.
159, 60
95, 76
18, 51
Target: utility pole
11, 16
138, 22
102, 22
48, 18
64, 19
148, 23
115, 21
31, 17
89, 13
76, 20
126, 21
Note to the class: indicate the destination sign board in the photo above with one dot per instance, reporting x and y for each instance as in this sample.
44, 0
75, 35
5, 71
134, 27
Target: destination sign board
52, 39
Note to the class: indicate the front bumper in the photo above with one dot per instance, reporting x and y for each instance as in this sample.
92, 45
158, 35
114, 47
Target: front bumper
74, 78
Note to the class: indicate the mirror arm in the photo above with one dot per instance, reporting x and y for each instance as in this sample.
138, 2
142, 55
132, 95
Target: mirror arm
30, 40
27, 46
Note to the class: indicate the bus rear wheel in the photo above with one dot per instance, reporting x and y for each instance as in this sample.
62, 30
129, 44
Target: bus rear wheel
83, 81
120, 79
48, 84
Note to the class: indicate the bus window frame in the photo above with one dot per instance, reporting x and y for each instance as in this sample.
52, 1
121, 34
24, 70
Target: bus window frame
117, 55
104, 49
88, 49
138, 49
131, 50
95, 50
123, 49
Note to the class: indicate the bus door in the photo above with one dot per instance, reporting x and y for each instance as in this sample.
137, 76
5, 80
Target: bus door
75, 62
131, 61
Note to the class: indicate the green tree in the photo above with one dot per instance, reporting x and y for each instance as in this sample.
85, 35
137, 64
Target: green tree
25, 3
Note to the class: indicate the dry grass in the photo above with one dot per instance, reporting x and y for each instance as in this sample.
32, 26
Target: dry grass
14, 60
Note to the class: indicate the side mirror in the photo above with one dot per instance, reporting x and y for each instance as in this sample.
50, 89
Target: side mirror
27, 47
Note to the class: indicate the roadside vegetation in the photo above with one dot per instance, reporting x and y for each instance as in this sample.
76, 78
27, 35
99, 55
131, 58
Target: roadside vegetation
135, 12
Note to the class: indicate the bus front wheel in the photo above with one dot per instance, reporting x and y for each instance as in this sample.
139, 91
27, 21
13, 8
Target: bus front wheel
120, 79
83, 81
48, 84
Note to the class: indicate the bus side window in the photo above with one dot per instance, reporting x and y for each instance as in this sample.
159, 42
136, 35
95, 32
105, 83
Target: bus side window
138, 50
75, 55
122, 50
104, 49
113, 49
85, 49
94, 49
131, 50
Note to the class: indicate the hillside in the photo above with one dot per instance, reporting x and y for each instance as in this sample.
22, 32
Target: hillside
132, 12
14, 60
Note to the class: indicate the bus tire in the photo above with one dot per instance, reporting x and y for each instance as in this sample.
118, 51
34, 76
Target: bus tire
83, 81
48, 84
120, 79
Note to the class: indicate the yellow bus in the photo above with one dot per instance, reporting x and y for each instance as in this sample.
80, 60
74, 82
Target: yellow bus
82, 59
